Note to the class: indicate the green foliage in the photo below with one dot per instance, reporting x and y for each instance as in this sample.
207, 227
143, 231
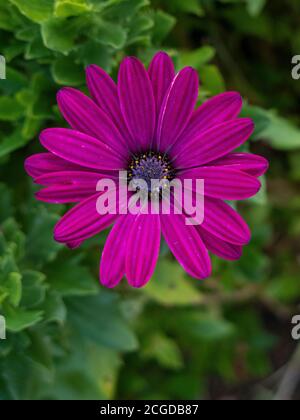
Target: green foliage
68, 338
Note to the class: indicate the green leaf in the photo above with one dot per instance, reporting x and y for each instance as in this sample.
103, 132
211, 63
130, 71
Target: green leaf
85, 374
6, 206
281, 133
259, 116
40, 350
105, 364
169, 286
54, 308
14, 81
109, 33
253, 264
212, 80
93, 52
67, 8
187, 6
18, 319
98, 319
60, 34
164, 350
30, 128
285, 288
163, 24
67, 72
40, 245
197, 58
10, 109
13, 285
120, 9
6, 21
205, 326
36, 10
70, 278
11, 143
15, 239
7, 263
255, 7
13, 51
35, 49
34, 288
261, 197
24, 378
140, 26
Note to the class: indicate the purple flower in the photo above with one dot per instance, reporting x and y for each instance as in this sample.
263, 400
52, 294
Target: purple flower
147, 124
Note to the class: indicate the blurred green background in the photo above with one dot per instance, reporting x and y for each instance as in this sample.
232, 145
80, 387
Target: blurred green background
227, 337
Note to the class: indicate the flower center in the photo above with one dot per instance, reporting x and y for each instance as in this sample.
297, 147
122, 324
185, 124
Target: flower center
150, 166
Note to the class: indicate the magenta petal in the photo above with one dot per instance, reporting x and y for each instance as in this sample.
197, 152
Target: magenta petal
224, 183
219, 247
81, 149
213, 143
252, 164
177, 108
142, 249
104, 91
82, 222
72, 177
85, 116
62, 194
186, 245
137, 102
74, 245
112, 266
216, 110
162, 73
224, 222
43, 163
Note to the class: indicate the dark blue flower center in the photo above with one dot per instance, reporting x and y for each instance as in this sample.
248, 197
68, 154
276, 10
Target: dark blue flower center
150, 166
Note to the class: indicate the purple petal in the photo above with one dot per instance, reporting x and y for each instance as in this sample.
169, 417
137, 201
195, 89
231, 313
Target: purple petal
104, 91
63, 194
213, 143
81, 149
186, 245
112, 266
74, 245
85, 116
43, 163
142, 249
137, 102
252, 164
220, 248
177, 108
224, 183
162, 73
73, 177
82, 222
215, 111
223, 221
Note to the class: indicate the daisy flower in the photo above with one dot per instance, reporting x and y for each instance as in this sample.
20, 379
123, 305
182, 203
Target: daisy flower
147, 125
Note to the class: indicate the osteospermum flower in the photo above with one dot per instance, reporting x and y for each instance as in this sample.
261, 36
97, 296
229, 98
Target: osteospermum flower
147, 125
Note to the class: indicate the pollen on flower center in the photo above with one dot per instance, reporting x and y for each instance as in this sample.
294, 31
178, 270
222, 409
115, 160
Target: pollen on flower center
150, 166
